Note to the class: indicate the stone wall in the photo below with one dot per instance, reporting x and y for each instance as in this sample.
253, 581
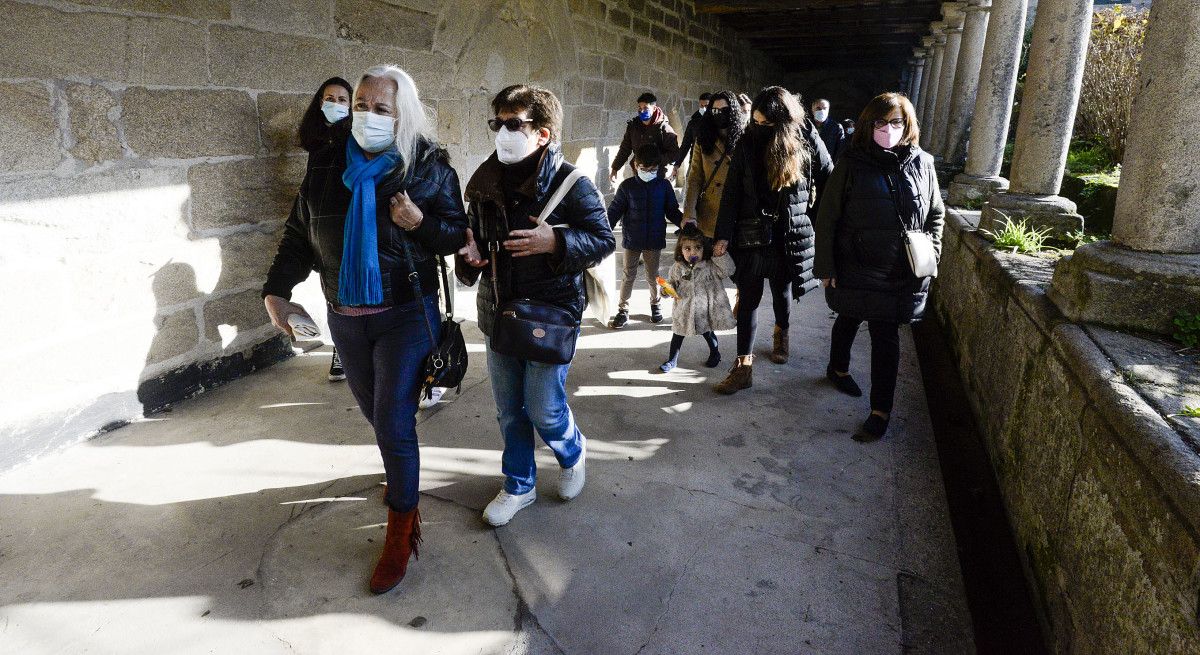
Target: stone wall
148, 163
1101, 481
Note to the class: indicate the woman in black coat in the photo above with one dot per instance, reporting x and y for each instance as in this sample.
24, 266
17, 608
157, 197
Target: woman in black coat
774, 174
326, 121
373, 213
883, 186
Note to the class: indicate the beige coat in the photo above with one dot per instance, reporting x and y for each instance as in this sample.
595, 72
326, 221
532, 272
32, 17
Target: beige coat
704, 167
702, 305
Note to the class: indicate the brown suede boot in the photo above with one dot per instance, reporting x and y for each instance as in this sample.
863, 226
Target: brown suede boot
779, 354
403, 539
739, 378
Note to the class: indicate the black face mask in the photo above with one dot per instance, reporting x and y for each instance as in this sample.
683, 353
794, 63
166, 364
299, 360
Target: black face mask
722, 120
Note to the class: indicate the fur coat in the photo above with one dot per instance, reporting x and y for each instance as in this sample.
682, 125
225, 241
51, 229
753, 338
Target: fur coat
702, 305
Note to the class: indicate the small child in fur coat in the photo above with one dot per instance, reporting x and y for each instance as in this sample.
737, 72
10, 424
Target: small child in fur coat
701, 305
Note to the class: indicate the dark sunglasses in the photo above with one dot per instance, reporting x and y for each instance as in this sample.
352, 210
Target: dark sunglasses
513, 124
879, 123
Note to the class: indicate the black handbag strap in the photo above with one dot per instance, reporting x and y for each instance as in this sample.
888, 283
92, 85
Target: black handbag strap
891, 184
708, 179
415, 280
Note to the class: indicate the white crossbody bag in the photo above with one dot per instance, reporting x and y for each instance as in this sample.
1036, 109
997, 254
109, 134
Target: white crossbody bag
597, 292
922, 256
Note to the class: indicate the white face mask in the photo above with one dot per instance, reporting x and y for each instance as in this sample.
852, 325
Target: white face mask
849, 130
703, 110
820, 115
334, 112
512, 147
373, 132
647, 176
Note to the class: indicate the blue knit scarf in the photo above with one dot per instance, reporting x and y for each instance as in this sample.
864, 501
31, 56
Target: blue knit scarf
359, 279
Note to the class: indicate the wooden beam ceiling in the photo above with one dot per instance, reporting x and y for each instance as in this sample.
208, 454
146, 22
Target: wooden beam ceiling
804, 34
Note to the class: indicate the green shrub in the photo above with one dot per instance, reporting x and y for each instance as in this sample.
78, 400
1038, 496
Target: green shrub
1190, 411
1187, 329
1019, 237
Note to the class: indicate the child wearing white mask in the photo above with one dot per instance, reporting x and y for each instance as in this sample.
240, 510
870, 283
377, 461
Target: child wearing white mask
645, 203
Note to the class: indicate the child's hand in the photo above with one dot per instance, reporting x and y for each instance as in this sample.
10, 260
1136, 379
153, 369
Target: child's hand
667, 288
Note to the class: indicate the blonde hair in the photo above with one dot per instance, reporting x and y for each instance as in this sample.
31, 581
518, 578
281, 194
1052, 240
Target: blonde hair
413, 124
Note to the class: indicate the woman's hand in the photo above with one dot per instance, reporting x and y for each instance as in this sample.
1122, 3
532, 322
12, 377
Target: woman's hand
689, 220
280, 309
470, 252
720, 247
829, 282
538, 241
405, 213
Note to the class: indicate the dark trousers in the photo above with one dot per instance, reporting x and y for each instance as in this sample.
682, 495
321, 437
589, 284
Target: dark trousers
383, 356
885, 356
749, 295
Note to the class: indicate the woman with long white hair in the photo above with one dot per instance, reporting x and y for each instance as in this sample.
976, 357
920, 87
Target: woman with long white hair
370, 214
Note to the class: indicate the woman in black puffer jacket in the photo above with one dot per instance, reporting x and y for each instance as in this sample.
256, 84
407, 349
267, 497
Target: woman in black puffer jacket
884, 184
774, 175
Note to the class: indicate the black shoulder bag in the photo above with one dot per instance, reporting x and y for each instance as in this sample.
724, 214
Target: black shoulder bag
532, 329
446, 364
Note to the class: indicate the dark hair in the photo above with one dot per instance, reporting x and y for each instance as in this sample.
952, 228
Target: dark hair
707, 131
315, 131
706, 96
648, 154
879, 107
648, 98
786, 150
543, 106
692, 232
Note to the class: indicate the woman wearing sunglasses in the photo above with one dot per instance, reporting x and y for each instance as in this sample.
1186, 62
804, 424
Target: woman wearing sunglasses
883, 186
717, 134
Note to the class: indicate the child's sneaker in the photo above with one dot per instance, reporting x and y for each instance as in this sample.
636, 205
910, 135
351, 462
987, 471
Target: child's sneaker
619, 320
435, 396
656, 313
667, 366
336, 372
714, 358
505, 506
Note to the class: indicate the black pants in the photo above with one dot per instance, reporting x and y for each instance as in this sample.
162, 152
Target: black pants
749, 295
885, 356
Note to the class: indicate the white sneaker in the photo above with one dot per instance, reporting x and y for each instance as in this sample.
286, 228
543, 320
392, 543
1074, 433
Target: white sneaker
505, 506
570, 481
433, 399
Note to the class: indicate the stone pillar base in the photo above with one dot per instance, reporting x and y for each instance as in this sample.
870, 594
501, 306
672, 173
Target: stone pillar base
1055, 213
946, 171
1126, 289
968, 189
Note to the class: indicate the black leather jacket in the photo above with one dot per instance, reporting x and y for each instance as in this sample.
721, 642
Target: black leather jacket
312, 237
557, 277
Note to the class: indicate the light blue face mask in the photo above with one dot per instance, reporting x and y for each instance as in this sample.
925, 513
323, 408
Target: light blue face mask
334, 112
647, 176
646, 113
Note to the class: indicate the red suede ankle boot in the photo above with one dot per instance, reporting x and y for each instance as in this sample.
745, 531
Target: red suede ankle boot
403, 540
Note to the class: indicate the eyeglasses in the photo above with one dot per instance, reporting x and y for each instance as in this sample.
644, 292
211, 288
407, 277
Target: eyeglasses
881, 123
513, 124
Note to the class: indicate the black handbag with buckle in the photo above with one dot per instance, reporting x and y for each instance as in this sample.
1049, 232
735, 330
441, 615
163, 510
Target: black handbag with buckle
532, 329
446, 364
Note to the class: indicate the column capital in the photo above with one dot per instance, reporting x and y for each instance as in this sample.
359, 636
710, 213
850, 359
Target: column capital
927, 42
920, 54
953, 16
978, 5
938, 30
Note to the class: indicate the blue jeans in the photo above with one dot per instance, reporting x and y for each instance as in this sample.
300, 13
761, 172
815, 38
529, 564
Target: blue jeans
383, 356
530, 395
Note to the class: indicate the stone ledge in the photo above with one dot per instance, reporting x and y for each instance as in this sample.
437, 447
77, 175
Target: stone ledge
1102, 489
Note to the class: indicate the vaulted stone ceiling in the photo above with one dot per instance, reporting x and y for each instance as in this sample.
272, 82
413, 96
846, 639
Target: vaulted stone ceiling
809, 34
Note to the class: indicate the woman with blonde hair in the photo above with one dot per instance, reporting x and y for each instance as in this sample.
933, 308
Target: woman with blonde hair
882, 191
777, 168
373, 213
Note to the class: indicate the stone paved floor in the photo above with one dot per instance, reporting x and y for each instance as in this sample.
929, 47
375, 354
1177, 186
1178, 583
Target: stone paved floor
247, 520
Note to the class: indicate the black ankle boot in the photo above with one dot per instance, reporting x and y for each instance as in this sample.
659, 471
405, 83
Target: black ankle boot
872, 429
844, 383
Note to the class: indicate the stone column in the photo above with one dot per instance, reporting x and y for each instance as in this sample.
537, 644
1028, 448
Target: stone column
918, 75
1056, 57
930, 85
993, 104
954, 17
1151, 269
966, 85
